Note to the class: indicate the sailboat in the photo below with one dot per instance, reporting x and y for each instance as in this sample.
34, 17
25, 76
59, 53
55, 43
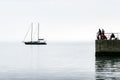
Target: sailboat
38, 41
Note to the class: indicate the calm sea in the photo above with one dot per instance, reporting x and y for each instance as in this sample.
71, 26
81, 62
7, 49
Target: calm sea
56, 61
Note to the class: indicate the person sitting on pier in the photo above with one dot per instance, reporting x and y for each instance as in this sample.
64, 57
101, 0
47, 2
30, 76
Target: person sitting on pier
103, 37
112, 36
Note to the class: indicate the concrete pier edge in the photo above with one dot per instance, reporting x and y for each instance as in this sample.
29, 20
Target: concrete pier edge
107, 47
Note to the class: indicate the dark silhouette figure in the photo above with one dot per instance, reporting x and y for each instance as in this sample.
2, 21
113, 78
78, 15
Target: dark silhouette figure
99, 34
112, 36
103, 37
103, 32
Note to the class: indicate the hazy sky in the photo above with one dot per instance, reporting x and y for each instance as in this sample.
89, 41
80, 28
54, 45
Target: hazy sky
60, 20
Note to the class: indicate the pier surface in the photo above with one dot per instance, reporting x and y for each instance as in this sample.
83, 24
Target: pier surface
107, 47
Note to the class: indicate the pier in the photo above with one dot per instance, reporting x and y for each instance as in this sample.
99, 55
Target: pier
108, 47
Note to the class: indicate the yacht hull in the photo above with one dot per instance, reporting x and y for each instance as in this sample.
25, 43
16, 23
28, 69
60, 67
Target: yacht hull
35, 43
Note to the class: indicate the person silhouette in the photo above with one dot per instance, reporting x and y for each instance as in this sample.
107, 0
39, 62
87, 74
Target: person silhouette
112, 36
99, 34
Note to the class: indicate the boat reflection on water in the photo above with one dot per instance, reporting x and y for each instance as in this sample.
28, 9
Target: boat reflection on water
107, 68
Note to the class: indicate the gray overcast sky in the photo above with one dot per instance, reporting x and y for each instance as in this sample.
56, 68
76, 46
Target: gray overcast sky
60, 20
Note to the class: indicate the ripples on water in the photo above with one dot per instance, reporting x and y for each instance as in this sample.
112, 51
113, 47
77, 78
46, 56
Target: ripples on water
108, 68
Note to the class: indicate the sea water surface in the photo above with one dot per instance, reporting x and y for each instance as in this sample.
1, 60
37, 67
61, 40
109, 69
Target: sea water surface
56, 61
108, 68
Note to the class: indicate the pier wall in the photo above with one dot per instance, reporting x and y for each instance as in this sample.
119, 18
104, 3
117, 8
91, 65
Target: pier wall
107, 47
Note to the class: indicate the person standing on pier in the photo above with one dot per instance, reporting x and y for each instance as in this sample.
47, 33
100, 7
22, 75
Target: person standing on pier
99, 34
103, 37
103, 32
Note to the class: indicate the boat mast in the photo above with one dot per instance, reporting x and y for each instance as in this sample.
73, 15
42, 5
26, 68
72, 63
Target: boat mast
31, 31
38, 31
